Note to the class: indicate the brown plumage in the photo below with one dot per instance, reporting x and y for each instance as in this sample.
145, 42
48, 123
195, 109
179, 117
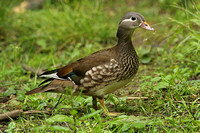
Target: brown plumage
102, 72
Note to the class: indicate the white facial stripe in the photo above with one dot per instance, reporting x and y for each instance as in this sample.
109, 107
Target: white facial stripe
125, 20
129, 20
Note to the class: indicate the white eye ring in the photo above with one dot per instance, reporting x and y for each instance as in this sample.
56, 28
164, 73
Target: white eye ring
133, 19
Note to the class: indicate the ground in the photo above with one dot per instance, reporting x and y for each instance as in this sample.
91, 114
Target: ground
162, 97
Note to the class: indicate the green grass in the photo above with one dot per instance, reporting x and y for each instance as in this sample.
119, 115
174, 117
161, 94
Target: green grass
64, 31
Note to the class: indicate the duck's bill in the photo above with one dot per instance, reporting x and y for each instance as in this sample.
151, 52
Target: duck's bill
146, 26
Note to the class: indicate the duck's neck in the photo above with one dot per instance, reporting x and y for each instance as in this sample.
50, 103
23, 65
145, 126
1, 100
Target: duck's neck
124, 40
126, 54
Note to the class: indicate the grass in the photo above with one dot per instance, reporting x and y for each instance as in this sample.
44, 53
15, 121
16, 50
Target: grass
64, 31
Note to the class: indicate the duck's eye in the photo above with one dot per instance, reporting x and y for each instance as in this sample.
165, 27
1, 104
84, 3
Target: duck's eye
133, 18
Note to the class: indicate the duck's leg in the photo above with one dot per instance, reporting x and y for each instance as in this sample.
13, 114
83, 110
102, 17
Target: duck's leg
94, 102
106, 112
101, 100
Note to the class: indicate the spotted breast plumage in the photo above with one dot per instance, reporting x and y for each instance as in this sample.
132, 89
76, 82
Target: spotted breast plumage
102, 72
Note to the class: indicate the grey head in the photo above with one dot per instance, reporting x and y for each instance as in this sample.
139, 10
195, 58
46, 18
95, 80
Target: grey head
133, 20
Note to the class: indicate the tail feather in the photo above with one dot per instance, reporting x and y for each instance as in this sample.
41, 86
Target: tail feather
51, 74
45, 81
56, 86
37, 90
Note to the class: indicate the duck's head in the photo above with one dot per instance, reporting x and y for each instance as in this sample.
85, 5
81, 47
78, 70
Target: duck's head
133, 20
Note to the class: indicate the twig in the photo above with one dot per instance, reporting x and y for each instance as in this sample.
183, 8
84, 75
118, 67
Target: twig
16, 113
35, 112
133, 98
186, 102
13, 97
3, 89
16, 84
28, 4
68, 125
11, 114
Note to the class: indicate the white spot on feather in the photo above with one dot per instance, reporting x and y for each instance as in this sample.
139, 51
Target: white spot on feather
87, 84
106, 66
93, 82
110, 67
115, 65
81, 81
99, 76
86, 79
101, 72
99, 67
86, 73
94, 77
113, 60
94, 68
90, 72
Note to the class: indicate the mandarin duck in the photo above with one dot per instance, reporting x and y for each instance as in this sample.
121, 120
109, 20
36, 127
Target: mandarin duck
102, 72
